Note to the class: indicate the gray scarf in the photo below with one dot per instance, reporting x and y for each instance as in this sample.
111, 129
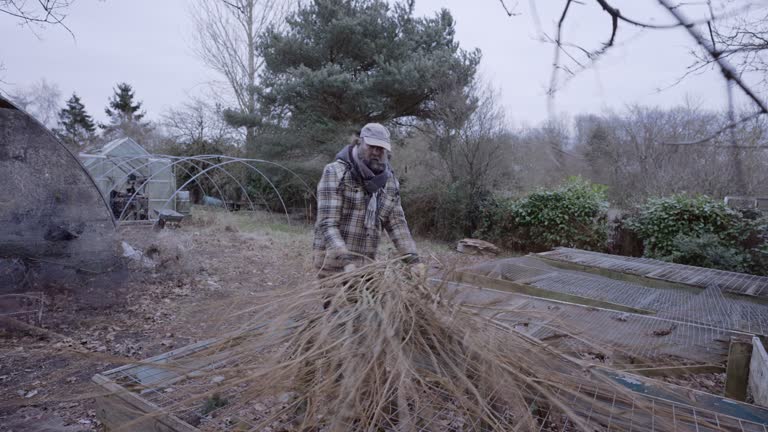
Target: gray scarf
373, 184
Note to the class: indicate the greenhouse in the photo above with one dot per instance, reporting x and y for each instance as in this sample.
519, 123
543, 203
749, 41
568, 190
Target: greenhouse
136, 183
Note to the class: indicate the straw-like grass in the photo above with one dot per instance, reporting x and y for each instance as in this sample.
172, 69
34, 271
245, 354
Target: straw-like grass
389, 352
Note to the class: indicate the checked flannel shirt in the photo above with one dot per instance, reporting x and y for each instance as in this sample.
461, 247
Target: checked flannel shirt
340, 233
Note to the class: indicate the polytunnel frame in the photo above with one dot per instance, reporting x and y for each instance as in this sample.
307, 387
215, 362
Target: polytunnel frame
219, 165
209, 156
178, 161
221, 193
203, 158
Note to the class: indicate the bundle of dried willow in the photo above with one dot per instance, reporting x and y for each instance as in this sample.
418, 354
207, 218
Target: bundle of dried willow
383, 349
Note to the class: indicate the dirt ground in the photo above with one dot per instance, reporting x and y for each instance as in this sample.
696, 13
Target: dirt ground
188, 287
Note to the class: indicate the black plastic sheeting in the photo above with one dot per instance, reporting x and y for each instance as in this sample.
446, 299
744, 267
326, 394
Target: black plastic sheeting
52, 215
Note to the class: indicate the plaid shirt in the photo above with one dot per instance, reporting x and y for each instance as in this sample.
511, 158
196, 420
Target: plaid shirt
340, 228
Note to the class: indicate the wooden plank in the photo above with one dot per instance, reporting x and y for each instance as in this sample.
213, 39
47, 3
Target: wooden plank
677, 370
737, 369
758, 373
164, 357
232, 339
509, 286
121, 410
688, 397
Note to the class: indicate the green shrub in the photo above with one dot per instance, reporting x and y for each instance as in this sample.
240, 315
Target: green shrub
295, 188
758, 248
703, 232
661, 220
708, 250
571, 215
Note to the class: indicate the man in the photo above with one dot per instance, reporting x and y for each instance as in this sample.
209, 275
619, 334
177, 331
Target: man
358, 195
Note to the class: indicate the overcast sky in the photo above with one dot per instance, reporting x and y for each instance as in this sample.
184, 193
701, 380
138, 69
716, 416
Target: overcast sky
147, 43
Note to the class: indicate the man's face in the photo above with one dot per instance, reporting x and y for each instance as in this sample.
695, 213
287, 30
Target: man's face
374, 156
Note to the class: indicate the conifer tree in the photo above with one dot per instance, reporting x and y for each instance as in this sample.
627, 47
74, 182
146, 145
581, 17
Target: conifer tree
75, 126
125, 117
339, 64
122, 107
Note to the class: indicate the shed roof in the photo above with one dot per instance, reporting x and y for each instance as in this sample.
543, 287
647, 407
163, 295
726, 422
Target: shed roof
120, 147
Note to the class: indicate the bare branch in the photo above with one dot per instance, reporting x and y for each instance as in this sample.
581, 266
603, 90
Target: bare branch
556, 60
616, 15
508, 10
46, 12
732, 124
227, 32
726, 69
535, 15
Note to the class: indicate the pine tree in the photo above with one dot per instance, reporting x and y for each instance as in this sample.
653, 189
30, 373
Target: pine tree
75, 126
122, 107
125, 115
338, 64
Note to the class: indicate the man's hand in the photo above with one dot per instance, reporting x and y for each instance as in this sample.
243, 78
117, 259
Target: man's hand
349, 268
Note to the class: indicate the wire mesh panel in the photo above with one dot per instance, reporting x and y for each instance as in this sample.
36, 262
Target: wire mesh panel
184, 383
631, 338
633, 265
708, 306
737, 283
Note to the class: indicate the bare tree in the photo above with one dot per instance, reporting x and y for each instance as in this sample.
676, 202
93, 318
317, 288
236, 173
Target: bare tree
42, 100
742, 39
197, 120
40, 12
476, 153
226, 35
626, 152
745, 43
572, 58
468, 131
469, 135
542, 155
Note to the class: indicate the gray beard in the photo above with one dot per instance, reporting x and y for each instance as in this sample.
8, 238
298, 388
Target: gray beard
376, 167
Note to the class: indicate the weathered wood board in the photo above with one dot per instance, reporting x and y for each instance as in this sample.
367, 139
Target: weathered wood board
758, 373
